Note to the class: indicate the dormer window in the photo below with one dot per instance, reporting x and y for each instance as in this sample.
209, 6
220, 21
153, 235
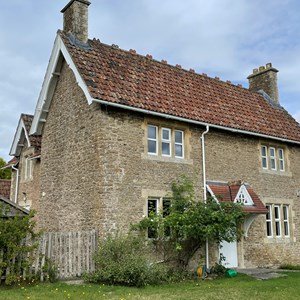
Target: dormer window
243, 196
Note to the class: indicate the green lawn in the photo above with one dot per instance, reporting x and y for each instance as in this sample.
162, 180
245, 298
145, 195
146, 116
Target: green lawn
240, 287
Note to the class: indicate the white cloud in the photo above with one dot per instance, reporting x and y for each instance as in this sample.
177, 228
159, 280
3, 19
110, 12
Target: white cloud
225, 38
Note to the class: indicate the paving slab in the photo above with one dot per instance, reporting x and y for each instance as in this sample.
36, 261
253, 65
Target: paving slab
262, 273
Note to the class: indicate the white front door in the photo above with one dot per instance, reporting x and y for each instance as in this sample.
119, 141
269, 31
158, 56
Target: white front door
229, 251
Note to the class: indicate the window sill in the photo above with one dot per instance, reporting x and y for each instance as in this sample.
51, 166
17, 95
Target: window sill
279, 240
167, 159
277, 173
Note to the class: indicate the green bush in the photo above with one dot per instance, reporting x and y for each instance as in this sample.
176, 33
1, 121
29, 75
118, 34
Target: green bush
122, 260
17, 255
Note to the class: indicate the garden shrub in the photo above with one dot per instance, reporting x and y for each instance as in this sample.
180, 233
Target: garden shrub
16, 254
123, 260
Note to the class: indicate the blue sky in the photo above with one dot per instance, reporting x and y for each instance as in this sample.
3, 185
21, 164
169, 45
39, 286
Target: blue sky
224, 38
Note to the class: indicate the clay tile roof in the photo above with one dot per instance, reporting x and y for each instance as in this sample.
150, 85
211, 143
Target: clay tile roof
227, 192
35, 140
122, 77
5, 188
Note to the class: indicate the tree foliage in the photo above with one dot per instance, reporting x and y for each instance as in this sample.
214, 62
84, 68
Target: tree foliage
4, 173
15, 253
190, 223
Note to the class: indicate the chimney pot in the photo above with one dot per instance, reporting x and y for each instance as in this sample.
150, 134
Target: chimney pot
265, 78
76, 19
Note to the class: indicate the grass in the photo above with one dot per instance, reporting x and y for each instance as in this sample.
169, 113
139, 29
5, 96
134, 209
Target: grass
240, 287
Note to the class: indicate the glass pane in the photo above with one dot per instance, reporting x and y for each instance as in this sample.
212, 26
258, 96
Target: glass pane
285, 213
166, 134
178, 150
280, 153
151, 132
269, 229
273, 164
277, 225
166, 207
264, 162
178, 136
286, 228
276, 212
281, 165
151, 146
152, 206
165, 148
263, 151
268, 216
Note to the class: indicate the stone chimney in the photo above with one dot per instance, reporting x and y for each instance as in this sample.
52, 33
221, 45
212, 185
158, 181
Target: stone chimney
265, 78
76, 19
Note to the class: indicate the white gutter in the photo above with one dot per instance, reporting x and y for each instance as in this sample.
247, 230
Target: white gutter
17, 184
204, 187
157, 114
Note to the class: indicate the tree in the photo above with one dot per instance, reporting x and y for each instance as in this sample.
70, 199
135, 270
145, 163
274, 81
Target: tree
189, 223
4, 173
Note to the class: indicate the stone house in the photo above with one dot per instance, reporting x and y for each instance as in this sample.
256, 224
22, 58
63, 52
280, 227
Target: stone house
118, 128
26, 150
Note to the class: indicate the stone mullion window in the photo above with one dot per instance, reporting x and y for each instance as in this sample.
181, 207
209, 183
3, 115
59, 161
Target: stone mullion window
152, 140
286, 228
281, 159
158, 205
277, 220
179, 144
273, 158
269, 221
166, 142
264, 156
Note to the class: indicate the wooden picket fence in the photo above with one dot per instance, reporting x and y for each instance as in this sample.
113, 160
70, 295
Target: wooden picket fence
71, 253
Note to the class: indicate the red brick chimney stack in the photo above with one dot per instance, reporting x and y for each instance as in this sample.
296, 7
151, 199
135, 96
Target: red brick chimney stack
265, 78
76, 19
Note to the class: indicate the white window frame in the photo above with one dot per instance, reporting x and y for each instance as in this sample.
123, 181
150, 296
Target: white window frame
153, 140
286, 225
166, 141
179, 144
264, 157
277, 220
273, 158
27, 168
269, 221
281, 159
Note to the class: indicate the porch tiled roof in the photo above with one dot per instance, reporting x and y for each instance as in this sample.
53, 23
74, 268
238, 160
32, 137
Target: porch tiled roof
124, 77
227, 192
